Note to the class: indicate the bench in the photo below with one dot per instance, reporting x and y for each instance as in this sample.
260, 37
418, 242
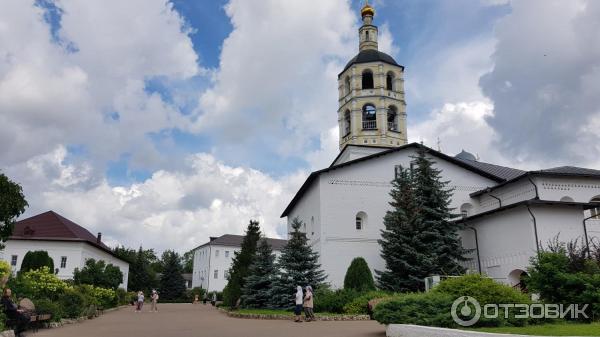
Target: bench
35, 319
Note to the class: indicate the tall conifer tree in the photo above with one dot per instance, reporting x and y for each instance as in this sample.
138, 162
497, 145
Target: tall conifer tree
298, 266
402, 247
241, 264
420, 239
434, 197
256, 291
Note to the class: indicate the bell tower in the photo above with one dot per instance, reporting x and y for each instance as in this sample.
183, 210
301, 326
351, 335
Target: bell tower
372, 110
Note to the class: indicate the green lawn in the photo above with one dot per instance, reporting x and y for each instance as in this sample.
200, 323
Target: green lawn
560, 329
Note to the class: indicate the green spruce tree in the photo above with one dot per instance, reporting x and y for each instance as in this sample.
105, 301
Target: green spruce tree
240, 265
172, 283
434, 197
402, 247
358, 276
141, 276
298, 266
256, 291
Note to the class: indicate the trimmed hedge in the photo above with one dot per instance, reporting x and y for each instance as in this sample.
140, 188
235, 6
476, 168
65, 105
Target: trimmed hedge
327, 300
430, 309
358, 276
359, 305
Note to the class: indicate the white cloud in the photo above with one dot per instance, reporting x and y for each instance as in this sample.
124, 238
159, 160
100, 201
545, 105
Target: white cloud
173, 209
63, 92
544, 84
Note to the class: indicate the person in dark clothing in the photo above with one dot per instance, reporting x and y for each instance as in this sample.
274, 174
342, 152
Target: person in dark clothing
13, 312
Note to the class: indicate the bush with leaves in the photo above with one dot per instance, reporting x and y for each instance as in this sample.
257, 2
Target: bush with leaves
565, 274
53, 308
359, 276
34, 260
73, 303
486, 291
98, 273
359, 305
334, 301
42, 283
429, 309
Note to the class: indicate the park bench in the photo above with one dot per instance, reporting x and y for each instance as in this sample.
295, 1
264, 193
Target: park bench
35, 319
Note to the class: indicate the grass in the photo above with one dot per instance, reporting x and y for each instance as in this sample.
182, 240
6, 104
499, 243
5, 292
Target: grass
559, 329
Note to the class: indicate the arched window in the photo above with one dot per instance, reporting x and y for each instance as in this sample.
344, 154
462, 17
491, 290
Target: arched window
347, 85
595, 212
347, 122
465, 209
389, 81
566, 199
369, 116
367, 79
392, 118
361, 220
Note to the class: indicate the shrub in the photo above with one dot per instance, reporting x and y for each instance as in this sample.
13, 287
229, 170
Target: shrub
99, 274
42, 283
100, 297
485, 291
45, 306
5, 269
333, 301
359, 304
431, 309
559, 279
122, 297
358, 276
36, 260
73, 303
198, 291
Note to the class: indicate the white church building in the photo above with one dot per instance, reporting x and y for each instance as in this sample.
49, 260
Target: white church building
509, 214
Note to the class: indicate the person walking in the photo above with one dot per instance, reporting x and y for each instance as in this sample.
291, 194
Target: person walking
154, 298
214, 299
298, 308
140, 301
309, 304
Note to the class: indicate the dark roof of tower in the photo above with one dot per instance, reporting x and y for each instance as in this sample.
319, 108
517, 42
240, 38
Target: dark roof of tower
371, 55
50, 226
466, 155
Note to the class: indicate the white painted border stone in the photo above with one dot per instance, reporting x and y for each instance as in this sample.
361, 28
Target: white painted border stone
405, 330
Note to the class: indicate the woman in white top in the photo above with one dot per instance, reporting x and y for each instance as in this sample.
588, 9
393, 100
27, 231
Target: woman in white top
299, 300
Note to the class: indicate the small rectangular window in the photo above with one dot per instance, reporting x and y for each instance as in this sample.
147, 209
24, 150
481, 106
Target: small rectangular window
358, 223
397, 170
13, 260
226, 253
63, 262
216, 274
217, 253
226, 274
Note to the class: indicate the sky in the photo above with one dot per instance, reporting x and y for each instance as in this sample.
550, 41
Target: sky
161, 123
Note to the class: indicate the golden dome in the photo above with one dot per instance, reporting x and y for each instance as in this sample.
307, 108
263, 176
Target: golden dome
367, 10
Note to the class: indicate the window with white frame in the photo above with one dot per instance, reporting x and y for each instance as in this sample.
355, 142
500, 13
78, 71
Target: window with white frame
361, 220
217, 253
216, 274
13, 260
226, 253
63, 262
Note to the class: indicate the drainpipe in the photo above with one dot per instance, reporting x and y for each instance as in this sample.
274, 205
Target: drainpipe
495, 197
537, 241
476, 248
537, 195
587, 242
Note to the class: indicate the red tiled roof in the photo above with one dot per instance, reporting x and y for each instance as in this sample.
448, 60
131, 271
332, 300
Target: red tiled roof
50, 226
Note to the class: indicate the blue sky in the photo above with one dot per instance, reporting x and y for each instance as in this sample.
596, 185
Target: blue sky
184, 119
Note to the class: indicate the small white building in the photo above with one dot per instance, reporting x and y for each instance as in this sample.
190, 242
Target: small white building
66, 242
213, 259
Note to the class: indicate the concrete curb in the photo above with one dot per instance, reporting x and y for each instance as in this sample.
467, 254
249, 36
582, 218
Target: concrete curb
406, 330
289, 317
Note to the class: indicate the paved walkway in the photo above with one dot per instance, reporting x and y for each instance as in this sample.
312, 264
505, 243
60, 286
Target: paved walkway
183, 320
